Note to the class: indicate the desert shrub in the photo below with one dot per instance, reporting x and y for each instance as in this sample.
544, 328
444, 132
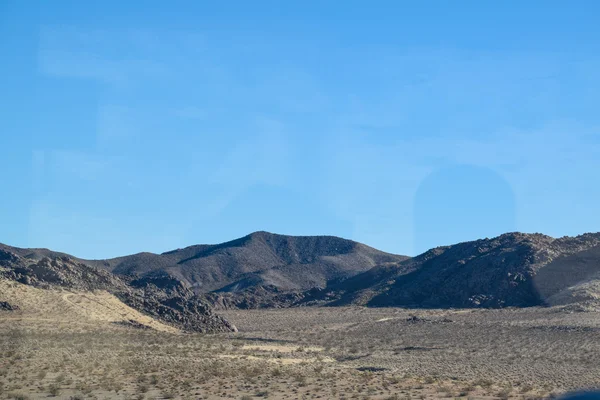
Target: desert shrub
484, 383
54, 390
526, 388
468, 389
301, 379
84, 388
117, 387
18, 396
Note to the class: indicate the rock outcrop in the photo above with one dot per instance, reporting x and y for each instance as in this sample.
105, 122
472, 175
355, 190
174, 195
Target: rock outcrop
264, 270
512, 270
175, 305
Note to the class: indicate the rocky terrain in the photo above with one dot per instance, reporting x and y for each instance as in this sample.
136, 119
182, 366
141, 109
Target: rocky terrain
165, 300
512, 270
258, 259
264, 270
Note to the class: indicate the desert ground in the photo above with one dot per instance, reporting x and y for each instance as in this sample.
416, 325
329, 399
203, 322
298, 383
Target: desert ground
73, 345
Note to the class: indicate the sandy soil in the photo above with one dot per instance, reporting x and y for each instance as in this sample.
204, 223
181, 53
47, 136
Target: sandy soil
74, 308
79, 346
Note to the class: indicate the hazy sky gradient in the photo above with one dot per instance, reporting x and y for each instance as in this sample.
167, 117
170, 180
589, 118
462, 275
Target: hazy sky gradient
403, 125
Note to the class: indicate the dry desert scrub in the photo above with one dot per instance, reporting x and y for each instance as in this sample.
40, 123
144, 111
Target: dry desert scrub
350, 353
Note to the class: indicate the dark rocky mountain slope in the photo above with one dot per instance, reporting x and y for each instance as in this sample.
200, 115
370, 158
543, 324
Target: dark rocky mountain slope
268, 270
290, 263
514, 269
169, 302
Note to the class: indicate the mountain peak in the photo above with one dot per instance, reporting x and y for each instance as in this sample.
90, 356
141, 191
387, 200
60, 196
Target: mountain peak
259, 258
264, 233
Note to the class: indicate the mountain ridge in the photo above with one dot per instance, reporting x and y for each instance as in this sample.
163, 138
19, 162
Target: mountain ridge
513, 269
288, 262
263, 269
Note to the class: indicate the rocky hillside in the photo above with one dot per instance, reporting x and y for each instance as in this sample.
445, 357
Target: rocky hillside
170, 302
267, 270
256, 260
514, 269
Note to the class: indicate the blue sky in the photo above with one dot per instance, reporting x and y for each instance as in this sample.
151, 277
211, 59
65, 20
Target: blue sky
404, 125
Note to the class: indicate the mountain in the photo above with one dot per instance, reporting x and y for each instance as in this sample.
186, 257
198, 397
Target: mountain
259, 259
268, 270
169, 302
512, 270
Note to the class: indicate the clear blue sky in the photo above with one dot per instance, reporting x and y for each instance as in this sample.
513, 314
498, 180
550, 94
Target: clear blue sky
147, 126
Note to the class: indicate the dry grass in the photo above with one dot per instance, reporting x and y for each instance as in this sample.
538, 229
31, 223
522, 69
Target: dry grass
531, 351
311, 353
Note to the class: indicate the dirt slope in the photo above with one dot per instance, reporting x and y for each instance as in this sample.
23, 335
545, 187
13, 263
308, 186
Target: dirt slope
72, 309
172, 304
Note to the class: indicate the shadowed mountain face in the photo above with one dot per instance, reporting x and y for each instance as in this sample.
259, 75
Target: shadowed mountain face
259, 259
268, 270
513, 269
